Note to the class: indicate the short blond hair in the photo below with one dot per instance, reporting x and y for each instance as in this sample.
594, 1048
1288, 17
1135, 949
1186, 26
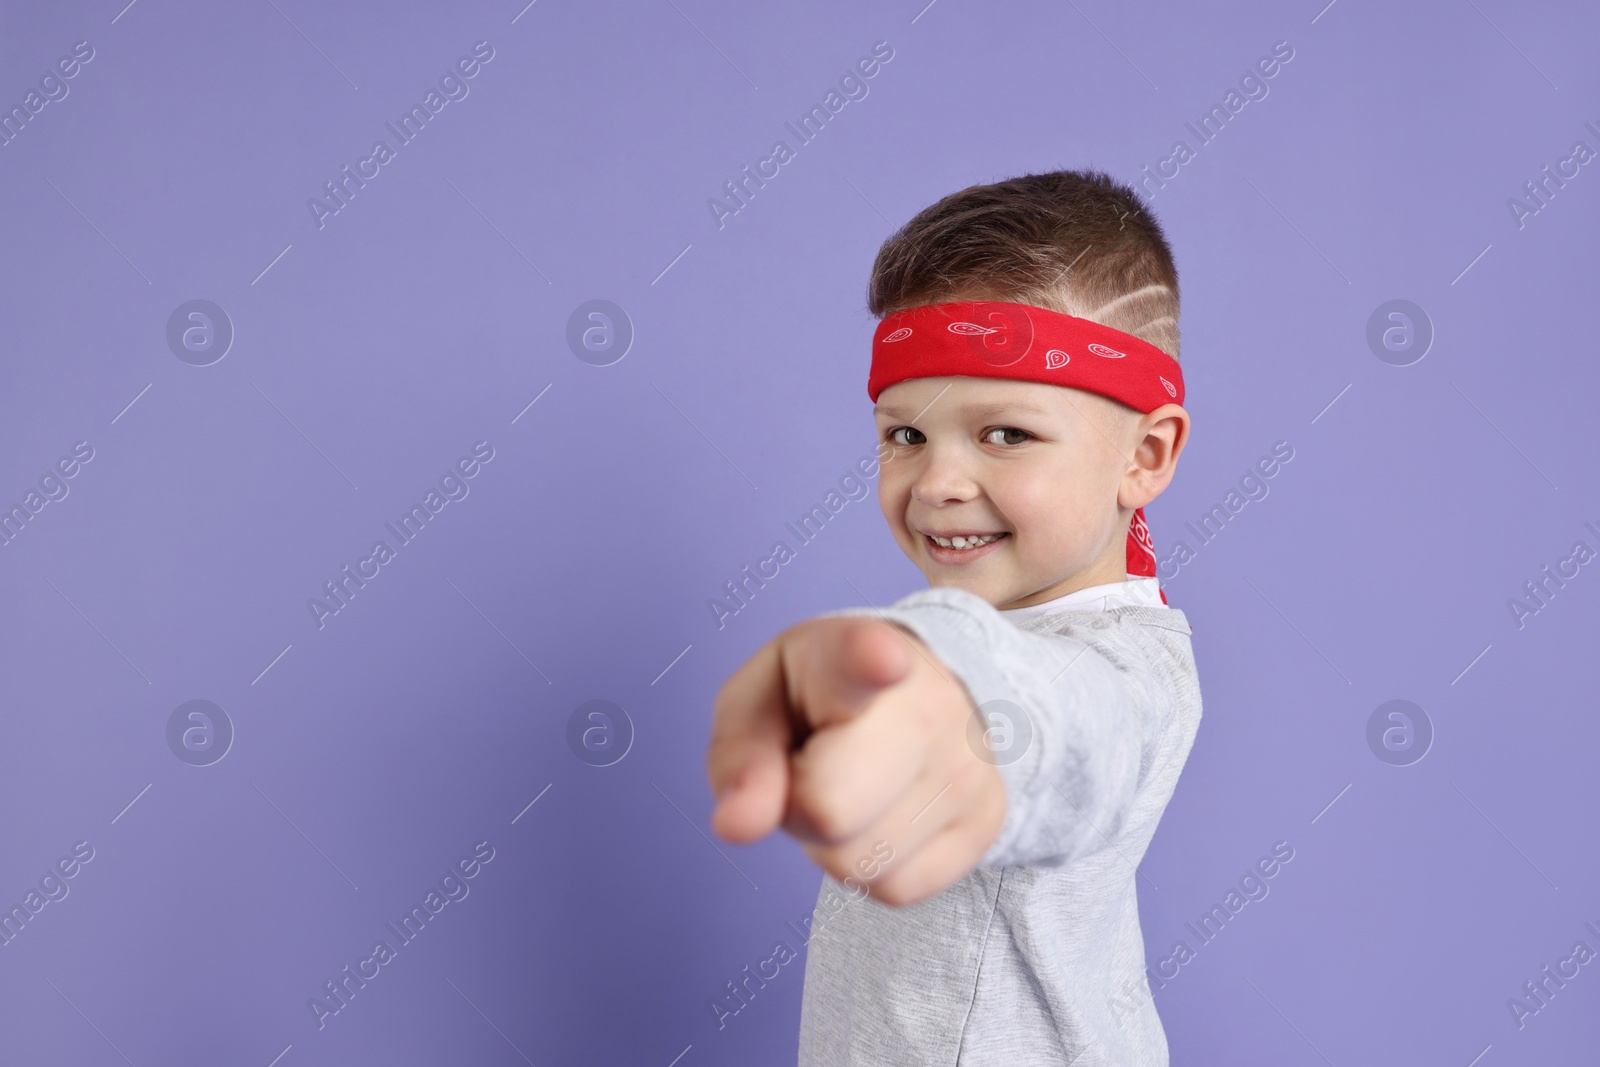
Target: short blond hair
1077, 242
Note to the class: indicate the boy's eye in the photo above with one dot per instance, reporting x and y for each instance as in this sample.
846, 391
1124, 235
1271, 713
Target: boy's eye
1006, 432
894, 435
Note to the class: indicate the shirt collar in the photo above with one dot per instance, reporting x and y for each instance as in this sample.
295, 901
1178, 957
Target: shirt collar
1134, 591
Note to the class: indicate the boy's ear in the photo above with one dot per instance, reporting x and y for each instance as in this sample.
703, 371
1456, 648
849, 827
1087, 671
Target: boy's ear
1158, 439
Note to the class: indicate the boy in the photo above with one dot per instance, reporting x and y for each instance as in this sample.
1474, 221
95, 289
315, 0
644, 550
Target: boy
979, 768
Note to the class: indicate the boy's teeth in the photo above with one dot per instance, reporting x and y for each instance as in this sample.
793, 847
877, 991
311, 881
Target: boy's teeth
964, 542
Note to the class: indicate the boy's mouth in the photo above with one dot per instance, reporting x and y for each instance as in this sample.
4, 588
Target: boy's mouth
961, 547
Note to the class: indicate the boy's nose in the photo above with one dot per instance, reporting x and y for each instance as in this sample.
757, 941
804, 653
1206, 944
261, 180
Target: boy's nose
943, 480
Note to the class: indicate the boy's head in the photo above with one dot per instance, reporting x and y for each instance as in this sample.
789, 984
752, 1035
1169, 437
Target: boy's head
1054, 473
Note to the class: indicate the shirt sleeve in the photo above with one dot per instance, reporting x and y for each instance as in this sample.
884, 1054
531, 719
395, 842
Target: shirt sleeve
1068, 738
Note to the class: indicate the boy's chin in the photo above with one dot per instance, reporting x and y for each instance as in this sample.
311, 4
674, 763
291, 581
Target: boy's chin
980, 586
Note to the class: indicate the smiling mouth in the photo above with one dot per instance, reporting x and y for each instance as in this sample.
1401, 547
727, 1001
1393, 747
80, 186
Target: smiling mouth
964, 541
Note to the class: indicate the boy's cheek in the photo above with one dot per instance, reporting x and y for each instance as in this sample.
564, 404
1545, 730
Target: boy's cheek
886, 503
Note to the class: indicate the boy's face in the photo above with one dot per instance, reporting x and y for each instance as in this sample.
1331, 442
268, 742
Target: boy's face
1038, 465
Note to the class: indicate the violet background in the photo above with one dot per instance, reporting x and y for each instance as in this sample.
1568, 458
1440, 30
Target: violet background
429, 312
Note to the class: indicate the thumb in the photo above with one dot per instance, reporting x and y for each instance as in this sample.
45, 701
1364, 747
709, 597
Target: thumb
836, 666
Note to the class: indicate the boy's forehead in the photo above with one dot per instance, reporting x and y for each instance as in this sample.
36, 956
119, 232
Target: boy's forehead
956, 395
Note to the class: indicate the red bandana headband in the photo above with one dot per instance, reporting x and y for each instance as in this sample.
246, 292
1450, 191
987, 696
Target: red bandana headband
999, 339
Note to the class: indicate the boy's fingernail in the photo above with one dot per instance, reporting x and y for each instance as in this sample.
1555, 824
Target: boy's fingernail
730, 785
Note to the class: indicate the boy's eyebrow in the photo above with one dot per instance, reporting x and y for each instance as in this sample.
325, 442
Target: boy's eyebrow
981, 410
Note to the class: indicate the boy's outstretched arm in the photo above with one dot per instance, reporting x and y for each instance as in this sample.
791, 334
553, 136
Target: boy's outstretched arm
1072, 730
849, 733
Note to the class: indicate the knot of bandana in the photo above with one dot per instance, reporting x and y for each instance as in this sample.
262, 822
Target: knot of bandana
1000, 339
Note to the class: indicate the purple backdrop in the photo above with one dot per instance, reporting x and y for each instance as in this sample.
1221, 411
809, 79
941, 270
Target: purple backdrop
242, 345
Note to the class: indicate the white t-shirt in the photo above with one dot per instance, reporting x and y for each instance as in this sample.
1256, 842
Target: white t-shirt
1135, 590
1035, 956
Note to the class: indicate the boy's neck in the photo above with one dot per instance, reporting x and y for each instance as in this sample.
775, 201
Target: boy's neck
1106, 570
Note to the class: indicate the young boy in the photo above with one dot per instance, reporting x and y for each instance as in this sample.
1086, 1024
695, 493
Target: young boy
979, 768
